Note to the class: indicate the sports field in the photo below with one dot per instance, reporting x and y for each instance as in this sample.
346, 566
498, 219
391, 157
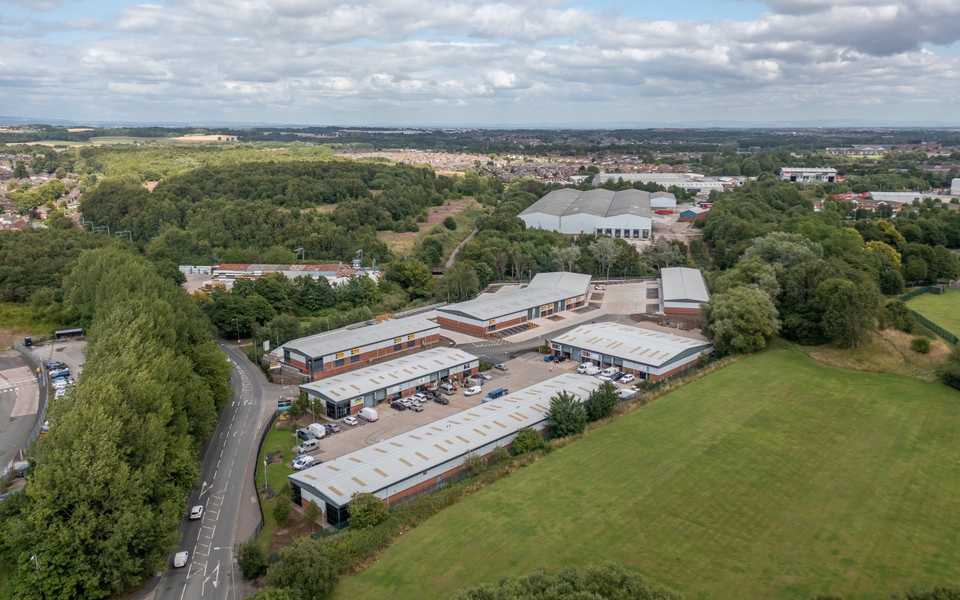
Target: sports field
776, 477
942, 309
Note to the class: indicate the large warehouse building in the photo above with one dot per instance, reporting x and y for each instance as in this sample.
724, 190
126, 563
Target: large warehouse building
334, 352
405, 465
683, 290
645, 353
548, 293
625, 214
346, 394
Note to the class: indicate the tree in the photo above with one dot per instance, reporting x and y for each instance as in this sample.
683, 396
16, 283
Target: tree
252, 559
460, 282
20, 171
601, 402
847, 309
566, 416
450, 223
605, 251
431, 249
528, 440
740, 320
412, 275
787, 249
306, 568
366, 510
565, 258
473, 464
281, 510
311, 513
274, 594
663, 254
501, 259
519, 261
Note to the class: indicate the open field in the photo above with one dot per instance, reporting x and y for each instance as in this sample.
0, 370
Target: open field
886, 351
776, 477
943, 309
465, 212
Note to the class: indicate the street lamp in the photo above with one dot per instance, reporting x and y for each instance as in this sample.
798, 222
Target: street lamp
236, 322
233, 580
266, 486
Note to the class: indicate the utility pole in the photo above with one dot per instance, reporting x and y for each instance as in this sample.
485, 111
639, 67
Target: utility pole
236, 321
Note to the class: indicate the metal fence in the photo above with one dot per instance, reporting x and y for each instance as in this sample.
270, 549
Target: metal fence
416, 311
256, 465
43, 386
946, 335
915, 293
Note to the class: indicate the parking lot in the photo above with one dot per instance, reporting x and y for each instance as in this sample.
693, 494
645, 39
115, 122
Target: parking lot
523, 371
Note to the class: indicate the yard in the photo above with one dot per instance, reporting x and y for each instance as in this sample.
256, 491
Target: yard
776, 477
942, 309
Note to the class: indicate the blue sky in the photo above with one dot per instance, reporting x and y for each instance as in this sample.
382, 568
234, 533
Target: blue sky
482, 62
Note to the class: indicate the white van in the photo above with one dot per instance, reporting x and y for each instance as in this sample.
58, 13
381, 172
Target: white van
308, 446
610, 371
367, 414
318, 429
446, 388
590, 369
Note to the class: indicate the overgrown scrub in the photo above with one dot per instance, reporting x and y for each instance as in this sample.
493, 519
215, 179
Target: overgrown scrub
920, 344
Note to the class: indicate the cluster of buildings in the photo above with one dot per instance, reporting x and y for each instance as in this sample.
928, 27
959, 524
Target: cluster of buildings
225, 274
809, 174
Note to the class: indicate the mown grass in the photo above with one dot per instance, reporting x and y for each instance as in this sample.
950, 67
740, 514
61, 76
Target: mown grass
775, 477
942, 309
279, 439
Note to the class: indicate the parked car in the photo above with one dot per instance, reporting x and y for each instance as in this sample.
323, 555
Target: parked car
603, 377
60, 373
305, 461
583, 367
486, 376
308, 446
418, 397
55, 365
561, 358
446, 388
472, 391
627, 378
333, 428
549, 358
319, 431
416, 407
617, 376
600, 286
500, 367
196, 512
180, 559
352, 421
430, 395
398, 405
441, 400
305, 434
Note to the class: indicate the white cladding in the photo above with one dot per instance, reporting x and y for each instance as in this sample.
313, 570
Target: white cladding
625, 214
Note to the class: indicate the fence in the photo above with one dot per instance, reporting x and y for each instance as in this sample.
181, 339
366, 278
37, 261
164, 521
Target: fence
256, 466
43, 390
915, 293
946, 335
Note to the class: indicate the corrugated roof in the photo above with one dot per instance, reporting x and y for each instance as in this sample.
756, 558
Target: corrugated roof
681, 283
394, 372
599, 202
575, 282
631, 343
395, 459
338, 340
544, 289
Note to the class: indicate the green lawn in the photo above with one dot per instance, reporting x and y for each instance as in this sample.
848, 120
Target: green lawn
942, 309
776, 477
278, 440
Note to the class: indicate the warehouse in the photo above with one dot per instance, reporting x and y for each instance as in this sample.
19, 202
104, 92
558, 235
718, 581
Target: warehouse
548, 293
807, 174
346, 394
624, 214
683, 290
334, 352
645, 353
412, 463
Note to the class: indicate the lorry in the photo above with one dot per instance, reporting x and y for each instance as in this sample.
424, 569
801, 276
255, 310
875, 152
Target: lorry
496, 394
367, 414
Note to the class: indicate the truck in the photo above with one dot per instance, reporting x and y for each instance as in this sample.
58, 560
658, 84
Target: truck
496, 394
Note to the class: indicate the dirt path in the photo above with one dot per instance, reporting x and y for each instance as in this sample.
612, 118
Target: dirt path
453, 254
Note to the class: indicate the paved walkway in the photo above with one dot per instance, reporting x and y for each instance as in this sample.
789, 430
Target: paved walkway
453, 254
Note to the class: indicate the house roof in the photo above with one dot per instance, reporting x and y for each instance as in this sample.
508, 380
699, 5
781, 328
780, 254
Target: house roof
681, 283
394, 372
330, 342
393, 460
635, 344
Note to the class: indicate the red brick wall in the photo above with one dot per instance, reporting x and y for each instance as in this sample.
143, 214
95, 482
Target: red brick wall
681, 311
375, 356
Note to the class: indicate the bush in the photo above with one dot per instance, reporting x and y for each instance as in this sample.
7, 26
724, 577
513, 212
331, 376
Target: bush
281, 510
499, 455
311, 513
528, 440
601, 402
566, 416
473, 465
305, 567
366, 510
450, 223
920, 344
950, 373
252, 559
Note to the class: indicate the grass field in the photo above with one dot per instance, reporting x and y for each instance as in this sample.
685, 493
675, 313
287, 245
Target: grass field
776, 477
464, 212
942, 309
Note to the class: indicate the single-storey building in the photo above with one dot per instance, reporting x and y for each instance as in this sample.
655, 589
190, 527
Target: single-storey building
411, 463
692, 213
548, 293
623, 214
683, 290
807, 174
345, 394
646, 353
333, 352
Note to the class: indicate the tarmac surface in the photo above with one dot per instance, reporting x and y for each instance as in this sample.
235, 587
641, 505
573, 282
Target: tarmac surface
20, 402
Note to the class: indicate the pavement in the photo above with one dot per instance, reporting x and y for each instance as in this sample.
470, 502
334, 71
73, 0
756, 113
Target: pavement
20, 402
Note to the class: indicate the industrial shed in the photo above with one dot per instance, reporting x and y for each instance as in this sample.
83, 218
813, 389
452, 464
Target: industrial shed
411, 463
683, 290
624, 214
332, 352
548, 293
643, 352
346, 394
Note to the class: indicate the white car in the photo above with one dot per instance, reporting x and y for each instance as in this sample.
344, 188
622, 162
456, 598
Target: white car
196, 513
627, 378
486, 376
180, 559
350, 421
603, 377
600, 287
472, 391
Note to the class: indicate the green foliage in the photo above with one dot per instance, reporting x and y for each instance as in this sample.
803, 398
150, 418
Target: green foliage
664, 254
450, 223
474, 464
937, 593
412, 275
20, 171
740, 320
499, 455
595, 582
566, 415
950, 372
602, 401
366, 510
252, 559
847, 310
459, 282
896, 314
276, 594
281, 509
528, 440
920, 344
311, 513
40, 258
306, 568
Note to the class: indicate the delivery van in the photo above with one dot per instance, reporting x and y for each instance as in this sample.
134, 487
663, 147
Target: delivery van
308, 446
446, 388
367, 414
318, 429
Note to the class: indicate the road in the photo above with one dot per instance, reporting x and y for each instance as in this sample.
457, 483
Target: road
226, 461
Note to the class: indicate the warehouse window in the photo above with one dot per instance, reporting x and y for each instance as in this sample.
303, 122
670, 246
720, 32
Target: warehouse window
397, 347
339, 362
411, 343
355, 358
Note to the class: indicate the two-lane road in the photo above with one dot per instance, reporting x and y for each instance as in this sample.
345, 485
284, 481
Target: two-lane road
227, 459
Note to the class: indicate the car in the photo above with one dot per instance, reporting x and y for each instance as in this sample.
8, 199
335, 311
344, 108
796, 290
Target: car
418, 397
416, 407
196, 512
617, 376
430, 395
561, 358
305, 434
305, 461
405, 401
486, 376
398, 405
603, 377
441, 400
59, 373
352, 421
627, 378
333, 428
180, 559
55, 365
600, 287
472, 391
549, 358
500, 367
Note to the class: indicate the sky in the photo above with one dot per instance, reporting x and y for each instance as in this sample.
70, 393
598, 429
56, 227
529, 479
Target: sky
496, 63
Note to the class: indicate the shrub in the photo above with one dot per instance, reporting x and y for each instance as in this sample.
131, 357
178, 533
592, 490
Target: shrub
920, 344
450, 223
306, 568
474, 464
252, 559
281, 510
528, 440
311, 513
566, 416
366, 510
601, 402
499, 455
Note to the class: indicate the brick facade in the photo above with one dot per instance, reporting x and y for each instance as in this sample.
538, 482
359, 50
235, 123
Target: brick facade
681, 311
369, 358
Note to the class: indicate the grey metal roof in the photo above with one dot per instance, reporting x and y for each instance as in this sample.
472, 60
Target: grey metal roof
330, 342
631, 343
498, 305
565, 280
394, 372
599, 202
681, 283
393, 460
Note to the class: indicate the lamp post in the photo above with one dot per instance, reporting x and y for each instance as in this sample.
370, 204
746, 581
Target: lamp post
266, 486
233, 580
36, 563
236, 321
